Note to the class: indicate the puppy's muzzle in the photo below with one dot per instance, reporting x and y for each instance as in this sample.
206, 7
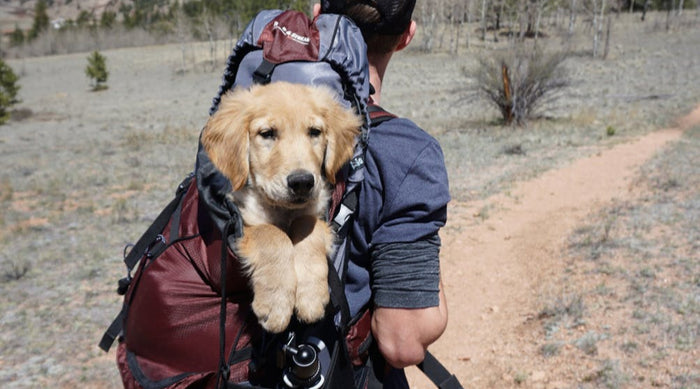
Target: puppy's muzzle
300, 184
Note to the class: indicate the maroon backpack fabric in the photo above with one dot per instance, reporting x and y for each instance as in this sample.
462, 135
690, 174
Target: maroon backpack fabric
171, 325
172, 329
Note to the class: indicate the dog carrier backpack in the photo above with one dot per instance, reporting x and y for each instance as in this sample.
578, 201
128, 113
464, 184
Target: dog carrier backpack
186, 320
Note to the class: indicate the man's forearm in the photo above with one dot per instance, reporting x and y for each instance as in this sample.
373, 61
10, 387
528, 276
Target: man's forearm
403, 335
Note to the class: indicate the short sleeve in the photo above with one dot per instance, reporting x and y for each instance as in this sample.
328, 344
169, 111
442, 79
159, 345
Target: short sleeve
394, 243
415, 200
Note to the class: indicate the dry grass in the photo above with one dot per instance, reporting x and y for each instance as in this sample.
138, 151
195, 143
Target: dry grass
622, 93
639, 260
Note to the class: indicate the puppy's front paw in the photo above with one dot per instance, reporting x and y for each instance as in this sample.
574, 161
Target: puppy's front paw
273, 317
273, 299
266, 251
311, 266
311, 302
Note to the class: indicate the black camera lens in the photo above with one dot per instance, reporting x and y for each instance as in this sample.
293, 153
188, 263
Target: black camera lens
305, 362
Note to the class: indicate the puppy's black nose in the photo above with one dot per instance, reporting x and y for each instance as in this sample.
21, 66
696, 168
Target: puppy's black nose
300, 183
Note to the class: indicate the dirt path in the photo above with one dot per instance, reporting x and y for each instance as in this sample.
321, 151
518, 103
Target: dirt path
495, 271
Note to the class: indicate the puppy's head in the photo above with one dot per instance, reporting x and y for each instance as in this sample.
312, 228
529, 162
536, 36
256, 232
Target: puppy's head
283, 139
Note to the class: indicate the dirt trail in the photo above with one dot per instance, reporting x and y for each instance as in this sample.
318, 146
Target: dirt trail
495, 271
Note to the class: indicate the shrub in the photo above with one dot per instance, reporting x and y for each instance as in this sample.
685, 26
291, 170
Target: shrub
8, 90
96, 70
41, 20
17, 36
13, 270
565, 311
551, 349
85, 19
108, 19
520, 82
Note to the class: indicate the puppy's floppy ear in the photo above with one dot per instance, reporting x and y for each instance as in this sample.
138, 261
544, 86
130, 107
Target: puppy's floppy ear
342, 128
226, 139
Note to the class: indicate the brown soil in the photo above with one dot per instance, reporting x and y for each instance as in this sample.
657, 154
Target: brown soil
495, 272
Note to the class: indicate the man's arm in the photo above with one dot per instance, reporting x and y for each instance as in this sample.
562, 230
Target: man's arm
403, 335
410, 311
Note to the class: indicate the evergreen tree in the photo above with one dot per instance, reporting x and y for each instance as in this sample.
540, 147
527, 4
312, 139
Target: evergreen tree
41, 20
96, 70
17, 37
85, 19
8, 90
108, 19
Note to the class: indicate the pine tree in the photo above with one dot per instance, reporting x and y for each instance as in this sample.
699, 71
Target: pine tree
17, 37
41, 20
109, 19
96, 70
8, 91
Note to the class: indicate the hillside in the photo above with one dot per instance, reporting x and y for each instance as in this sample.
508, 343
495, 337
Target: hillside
22, 12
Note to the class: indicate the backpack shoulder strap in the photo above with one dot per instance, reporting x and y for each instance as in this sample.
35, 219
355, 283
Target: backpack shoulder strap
343, 208
437, 373
144, 244
378, 115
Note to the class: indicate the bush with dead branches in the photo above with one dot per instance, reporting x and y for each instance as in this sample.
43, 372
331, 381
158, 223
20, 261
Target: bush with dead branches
520, 82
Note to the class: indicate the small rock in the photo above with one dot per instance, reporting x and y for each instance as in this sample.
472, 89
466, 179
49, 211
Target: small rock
538, 376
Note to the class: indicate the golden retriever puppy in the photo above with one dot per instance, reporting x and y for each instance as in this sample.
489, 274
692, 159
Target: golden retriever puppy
281, 146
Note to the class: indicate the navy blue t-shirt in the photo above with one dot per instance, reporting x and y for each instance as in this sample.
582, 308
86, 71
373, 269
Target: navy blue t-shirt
394, 246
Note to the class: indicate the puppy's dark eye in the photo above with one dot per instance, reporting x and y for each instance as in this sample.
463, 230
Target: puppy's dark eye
314, 132
268, 133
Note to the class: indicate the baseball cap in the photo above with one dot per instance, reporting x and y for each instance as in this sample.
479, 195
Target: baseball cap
394, 15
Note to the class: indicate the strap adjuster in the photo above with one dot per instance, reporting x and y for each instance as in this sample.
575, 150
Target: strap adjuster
263, 74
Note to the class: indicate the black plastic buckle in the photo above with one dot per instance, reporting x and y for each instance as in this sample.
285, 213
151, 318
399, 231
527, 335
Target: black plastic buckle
184, 184
263, 74
150, 252
124, 285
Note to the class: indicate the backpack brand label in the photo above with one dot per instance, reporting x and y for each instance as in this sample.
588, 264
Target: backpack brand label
304, 40
290, 37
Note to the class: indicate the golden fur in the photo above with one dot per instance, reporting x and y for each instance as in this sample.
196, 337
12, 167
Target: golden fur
281, 146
